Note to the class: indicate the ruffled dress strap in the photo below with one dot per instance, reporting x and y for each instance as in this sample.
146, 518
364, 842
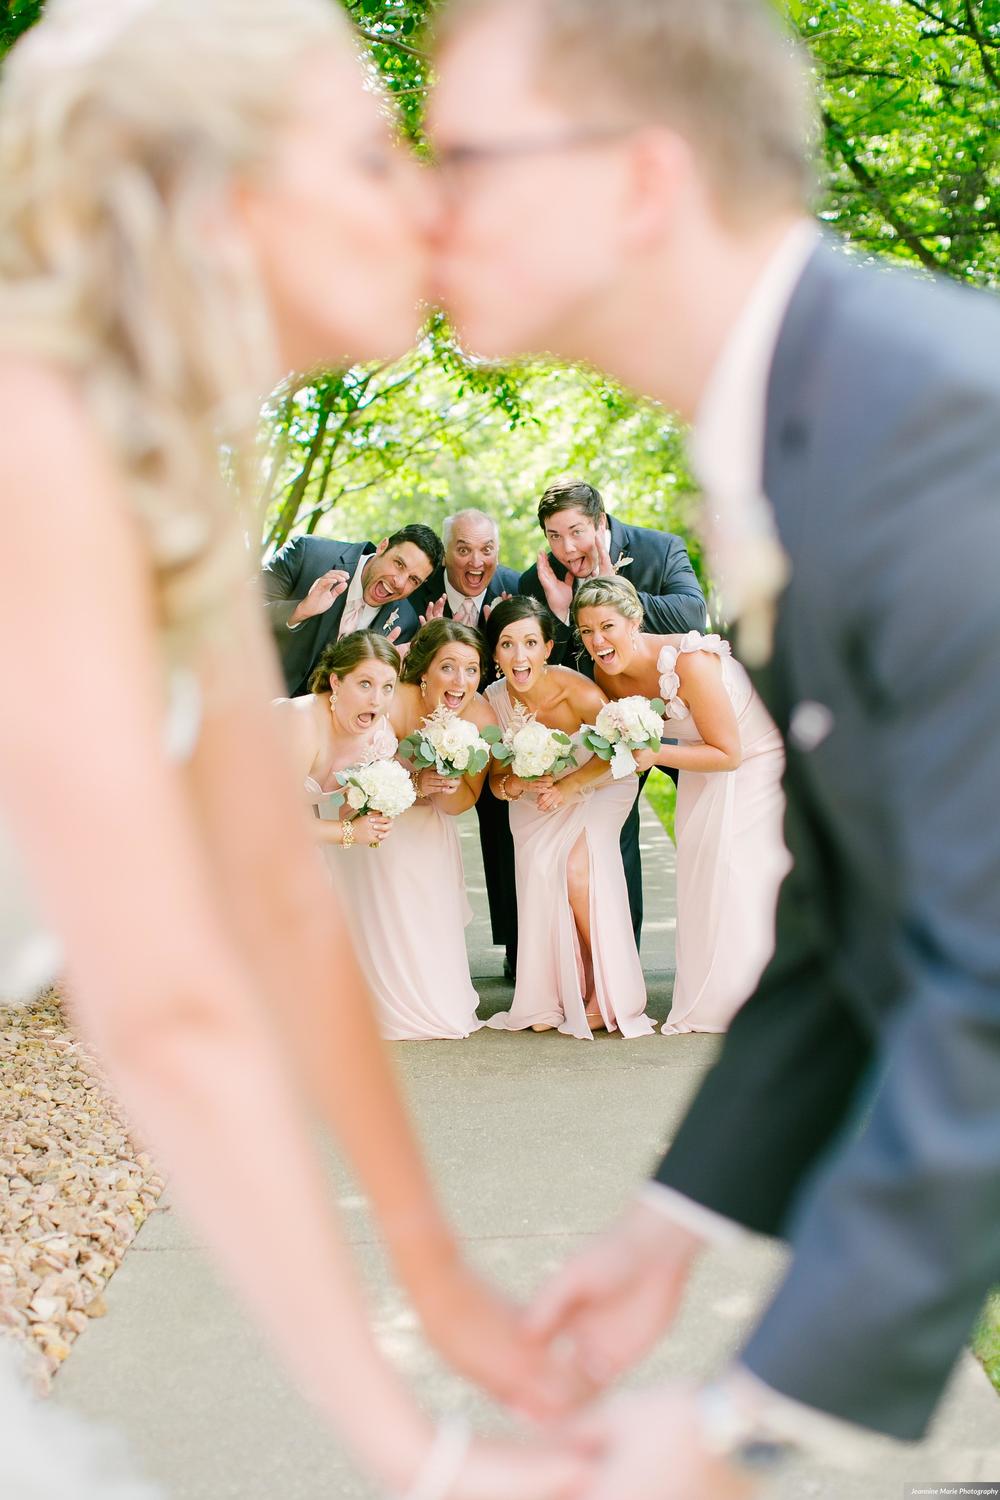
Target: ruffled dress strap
666, 668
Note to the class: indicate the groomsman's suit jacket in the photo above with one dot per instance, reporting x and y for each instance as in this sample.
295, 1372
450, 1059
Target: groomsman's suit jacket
656, 563
855, 1106
494, 816
672, 602
288, 577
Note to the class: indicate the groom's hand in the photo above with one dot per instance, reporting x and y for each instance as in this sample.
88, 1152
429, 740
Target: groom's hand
653, 1450
486, 1338
617, 1298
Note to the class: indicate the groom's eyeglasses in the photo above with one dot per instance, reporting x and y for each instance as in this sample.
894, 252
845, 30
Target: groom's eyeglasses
452, 160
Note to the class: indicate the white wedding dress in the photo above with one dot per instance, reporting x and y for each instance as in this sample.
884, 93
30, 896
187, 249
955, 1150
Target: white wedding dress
47, 1453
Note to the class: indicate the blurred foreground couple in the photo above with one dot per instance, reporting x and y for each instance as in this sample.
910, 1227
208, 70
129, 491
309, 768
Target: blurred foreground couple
203, 194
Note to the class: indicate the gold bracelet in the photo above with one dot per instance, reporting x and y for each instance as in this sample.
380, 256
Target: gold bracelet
504, 792
348, 836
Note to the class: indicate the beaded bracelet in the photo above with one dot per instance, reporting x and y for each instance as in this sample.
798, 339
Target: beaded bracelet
348, 835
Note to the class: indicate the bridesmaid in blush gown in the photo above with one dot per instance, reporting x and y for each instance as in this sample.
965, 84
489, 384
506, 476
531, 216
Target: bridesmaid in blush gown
731, 857
343, 722
409, 899
577, 967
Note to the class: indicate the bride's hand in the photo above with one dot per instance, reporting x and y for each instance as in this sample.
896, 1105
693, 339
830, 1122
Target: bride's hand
557, 1469
373, 828
484, 1337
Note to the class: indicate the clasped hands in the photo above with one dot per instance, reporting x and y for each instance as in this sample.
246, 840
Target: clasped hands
590, 1323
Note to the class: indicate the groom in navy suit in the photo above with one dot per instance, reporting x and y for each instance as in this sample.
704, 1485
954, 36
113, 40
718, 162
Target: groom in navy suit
846, 420
466, 586
317, 590
585, 542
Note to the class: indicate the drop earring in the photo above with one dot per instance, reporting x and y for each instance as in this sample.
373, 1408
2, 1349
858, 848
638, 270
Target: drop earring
423, 688
333, 702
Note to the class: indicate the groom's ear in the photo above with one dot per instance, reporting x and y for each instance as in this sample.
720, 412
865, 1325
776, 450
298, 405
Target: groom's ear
662, 174
381, 546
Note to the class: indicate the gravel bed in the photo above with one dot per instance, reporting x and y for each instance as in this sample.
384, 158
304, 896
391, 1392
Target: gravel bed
74, 1188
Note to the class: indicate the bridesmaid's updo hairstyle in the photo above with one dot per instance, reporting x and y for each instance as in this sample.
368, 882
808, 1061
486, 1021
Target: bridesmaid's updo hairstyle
521, 607
341, 657
613, 593
428, 642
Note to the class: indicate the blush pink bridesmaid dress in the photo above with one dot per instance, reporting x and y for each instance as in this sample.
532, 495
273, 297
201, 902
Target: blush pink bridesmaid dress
550, 987
408, 912
731, 856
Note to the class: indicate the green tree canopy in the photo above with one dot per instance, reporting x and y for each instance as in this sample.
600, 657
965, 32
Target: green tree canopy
909, 166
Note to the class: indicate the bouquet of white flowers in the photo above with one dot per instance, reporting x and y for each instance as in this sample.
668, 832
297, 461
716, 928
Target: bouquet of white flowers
531, 749
453, 746
383, 787
630, 724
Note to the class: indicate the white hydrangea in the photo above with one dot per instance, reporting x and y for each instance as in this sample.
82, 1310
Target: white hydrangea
536, 750
385, 787
452, 741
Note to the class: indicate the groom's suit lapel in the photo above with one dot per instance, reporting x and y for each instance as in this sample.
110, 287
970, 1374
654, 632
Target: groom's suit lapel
794, 408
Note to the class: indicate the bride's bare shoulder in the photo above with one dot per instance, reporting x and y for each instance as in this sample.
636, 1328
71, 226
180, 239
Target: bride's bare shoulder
54, 432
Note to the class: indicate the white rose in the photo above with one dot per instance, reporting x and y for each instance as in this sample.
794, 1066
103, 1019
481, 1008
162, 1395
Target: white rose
356, 797
460, 759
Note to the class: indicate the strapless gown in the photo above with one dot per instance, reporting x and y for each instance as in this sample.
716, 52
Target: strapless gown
30, 954
731, 856
46, 1452
408, 911
550, 980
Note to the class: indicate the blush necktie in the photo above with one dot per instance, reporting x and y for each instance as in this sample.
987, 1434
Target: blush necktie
351, 619
468, 613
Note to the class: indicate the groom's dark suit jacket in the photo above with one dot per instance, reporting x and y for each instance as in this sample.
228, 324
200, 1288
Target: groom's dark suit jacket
855, 1106
672, 602
494, 816
288, 577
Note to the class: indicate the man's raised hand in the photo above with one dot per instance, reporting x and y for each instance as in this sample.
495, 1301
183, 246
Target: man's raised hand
435, 610
328, 587
558, 592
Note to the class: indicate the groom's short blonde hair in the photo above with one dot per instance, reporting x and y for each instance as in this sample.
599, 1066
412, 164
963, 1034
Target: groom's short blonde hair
724, 74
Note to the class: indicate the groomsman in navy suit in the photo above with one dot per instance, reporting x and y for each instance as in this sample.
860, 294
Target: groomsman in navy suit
585, 542
464, 588
318, 590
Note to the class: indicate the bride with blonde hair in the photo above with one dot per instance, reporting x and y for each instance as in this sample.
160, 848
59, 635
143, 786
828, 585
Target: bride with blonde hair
200, 195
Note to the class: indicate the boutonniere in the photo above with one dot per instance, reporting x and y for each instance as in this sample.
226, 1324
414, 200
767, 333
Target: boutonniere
390, 622
622, 562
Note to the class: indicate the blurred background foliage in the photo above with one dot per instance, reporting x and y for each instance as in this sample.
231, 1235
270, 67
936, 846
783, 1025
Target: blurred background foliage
909, 166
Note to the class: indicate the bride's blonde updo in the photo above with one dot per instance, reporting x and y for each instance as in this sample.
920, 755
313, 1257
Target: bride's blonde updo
122, 123
612, 593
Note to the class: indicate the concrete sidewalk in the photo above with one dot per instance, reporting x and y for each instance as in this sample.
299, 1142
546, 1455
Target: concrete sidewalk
536, 1141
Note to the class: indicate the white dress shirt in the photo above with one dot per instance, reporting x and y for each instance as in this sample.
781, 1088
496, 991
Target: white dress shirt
727, 450
457, 600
